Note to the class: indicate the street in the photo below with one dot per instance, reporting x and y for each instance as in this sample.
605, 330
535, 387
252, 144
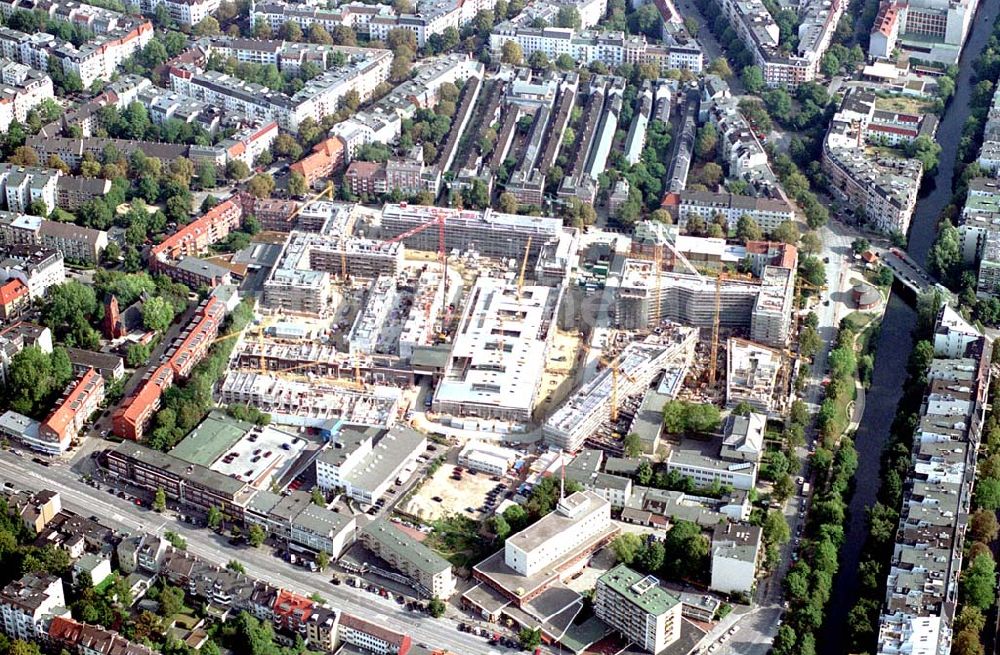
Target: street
125, 516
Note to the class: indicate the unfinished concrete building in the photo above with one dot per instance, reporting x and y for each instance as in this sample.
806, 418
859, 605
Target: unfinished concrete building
499, 351
752, 375
583, 413
428, 298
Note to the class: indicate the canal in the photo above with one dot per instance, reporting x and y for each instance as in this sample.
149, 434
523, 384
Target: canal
895, 343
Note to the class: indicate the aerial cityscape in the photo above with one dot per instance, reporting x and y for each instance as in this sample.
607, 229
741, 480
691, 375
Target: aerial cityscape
472, 327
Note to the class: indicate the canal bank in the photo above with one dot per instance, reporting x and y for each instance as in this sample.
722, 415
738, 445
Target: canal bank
895, 343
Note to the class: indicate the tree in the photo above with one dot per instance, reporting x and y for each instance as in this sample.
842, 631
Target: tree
979, 582
813, 271
160, 500
966, 642
511, 53
626, 547
568, 16
753, 79
171, 601
214, 517
984, 525
786, 232
261, 185
530, 639
747, 229
208, 26
256, 535
987, 495
809, 342
436, 607
235, 565
318, 498
632, 445
508, 203
706, 141
720, 67
24, 156
237, 170
710, 174
685, 550
322, 559
297, 184
157, 314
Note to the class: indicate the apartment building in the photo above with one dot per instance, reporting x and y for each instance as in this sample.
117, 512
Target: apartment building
78, 244
132, 417
736, 552
759, 32
607, 47
23, 88
108, 365
21, 186
989, 153
365, 69
326, 157
80, 400
73, 191
194, 238
639, 608
768, 213
184, 12
881, 187
84, 639
13, 299
36, 267
29, 604
429, 571
118, 37
924, 574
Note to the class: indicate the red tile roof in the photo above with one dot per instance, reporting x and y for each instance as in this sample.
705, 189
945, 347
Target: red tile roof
12, 291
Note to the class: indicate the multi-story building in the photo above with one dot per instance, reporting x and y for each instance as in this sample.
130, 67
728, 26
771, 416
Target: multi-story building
752, 375
768, 213
184, 12
73, 191
36, 267
933, 30
736, 552
23, 89
79, 244
497, 358
22, 186
118, 37
327, 156
882, 188
365, 69
582, 413
431, 572
81, 399
759, 32
189, 484
639, 608
367, 473
133, 415
609, 48
493, 234
582, 514
28, 605
925, 571
487, 457
195, 237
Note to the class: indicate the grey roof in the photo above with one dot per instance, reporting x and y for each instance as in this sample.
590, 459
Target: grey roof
320, 520
405, 547
395, 447
190, 472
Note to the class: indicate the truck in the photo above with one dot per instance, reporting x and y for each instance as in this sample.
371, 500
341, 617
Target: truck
805, 489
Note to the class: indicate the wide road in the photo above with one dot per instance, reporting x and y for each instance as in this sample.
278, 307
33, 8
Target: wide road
260, 563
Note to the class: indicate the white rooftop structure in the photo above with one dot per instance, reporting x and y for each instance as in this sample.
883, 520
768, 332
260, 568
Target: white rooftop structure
498, 355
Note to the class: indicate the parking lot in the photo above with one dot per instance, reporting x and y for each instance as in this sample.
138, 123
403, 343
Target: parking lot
446, 493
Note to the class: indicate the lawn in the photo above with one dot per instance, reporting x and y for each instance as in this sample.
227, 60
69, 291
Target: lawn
456, 538
904, 105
